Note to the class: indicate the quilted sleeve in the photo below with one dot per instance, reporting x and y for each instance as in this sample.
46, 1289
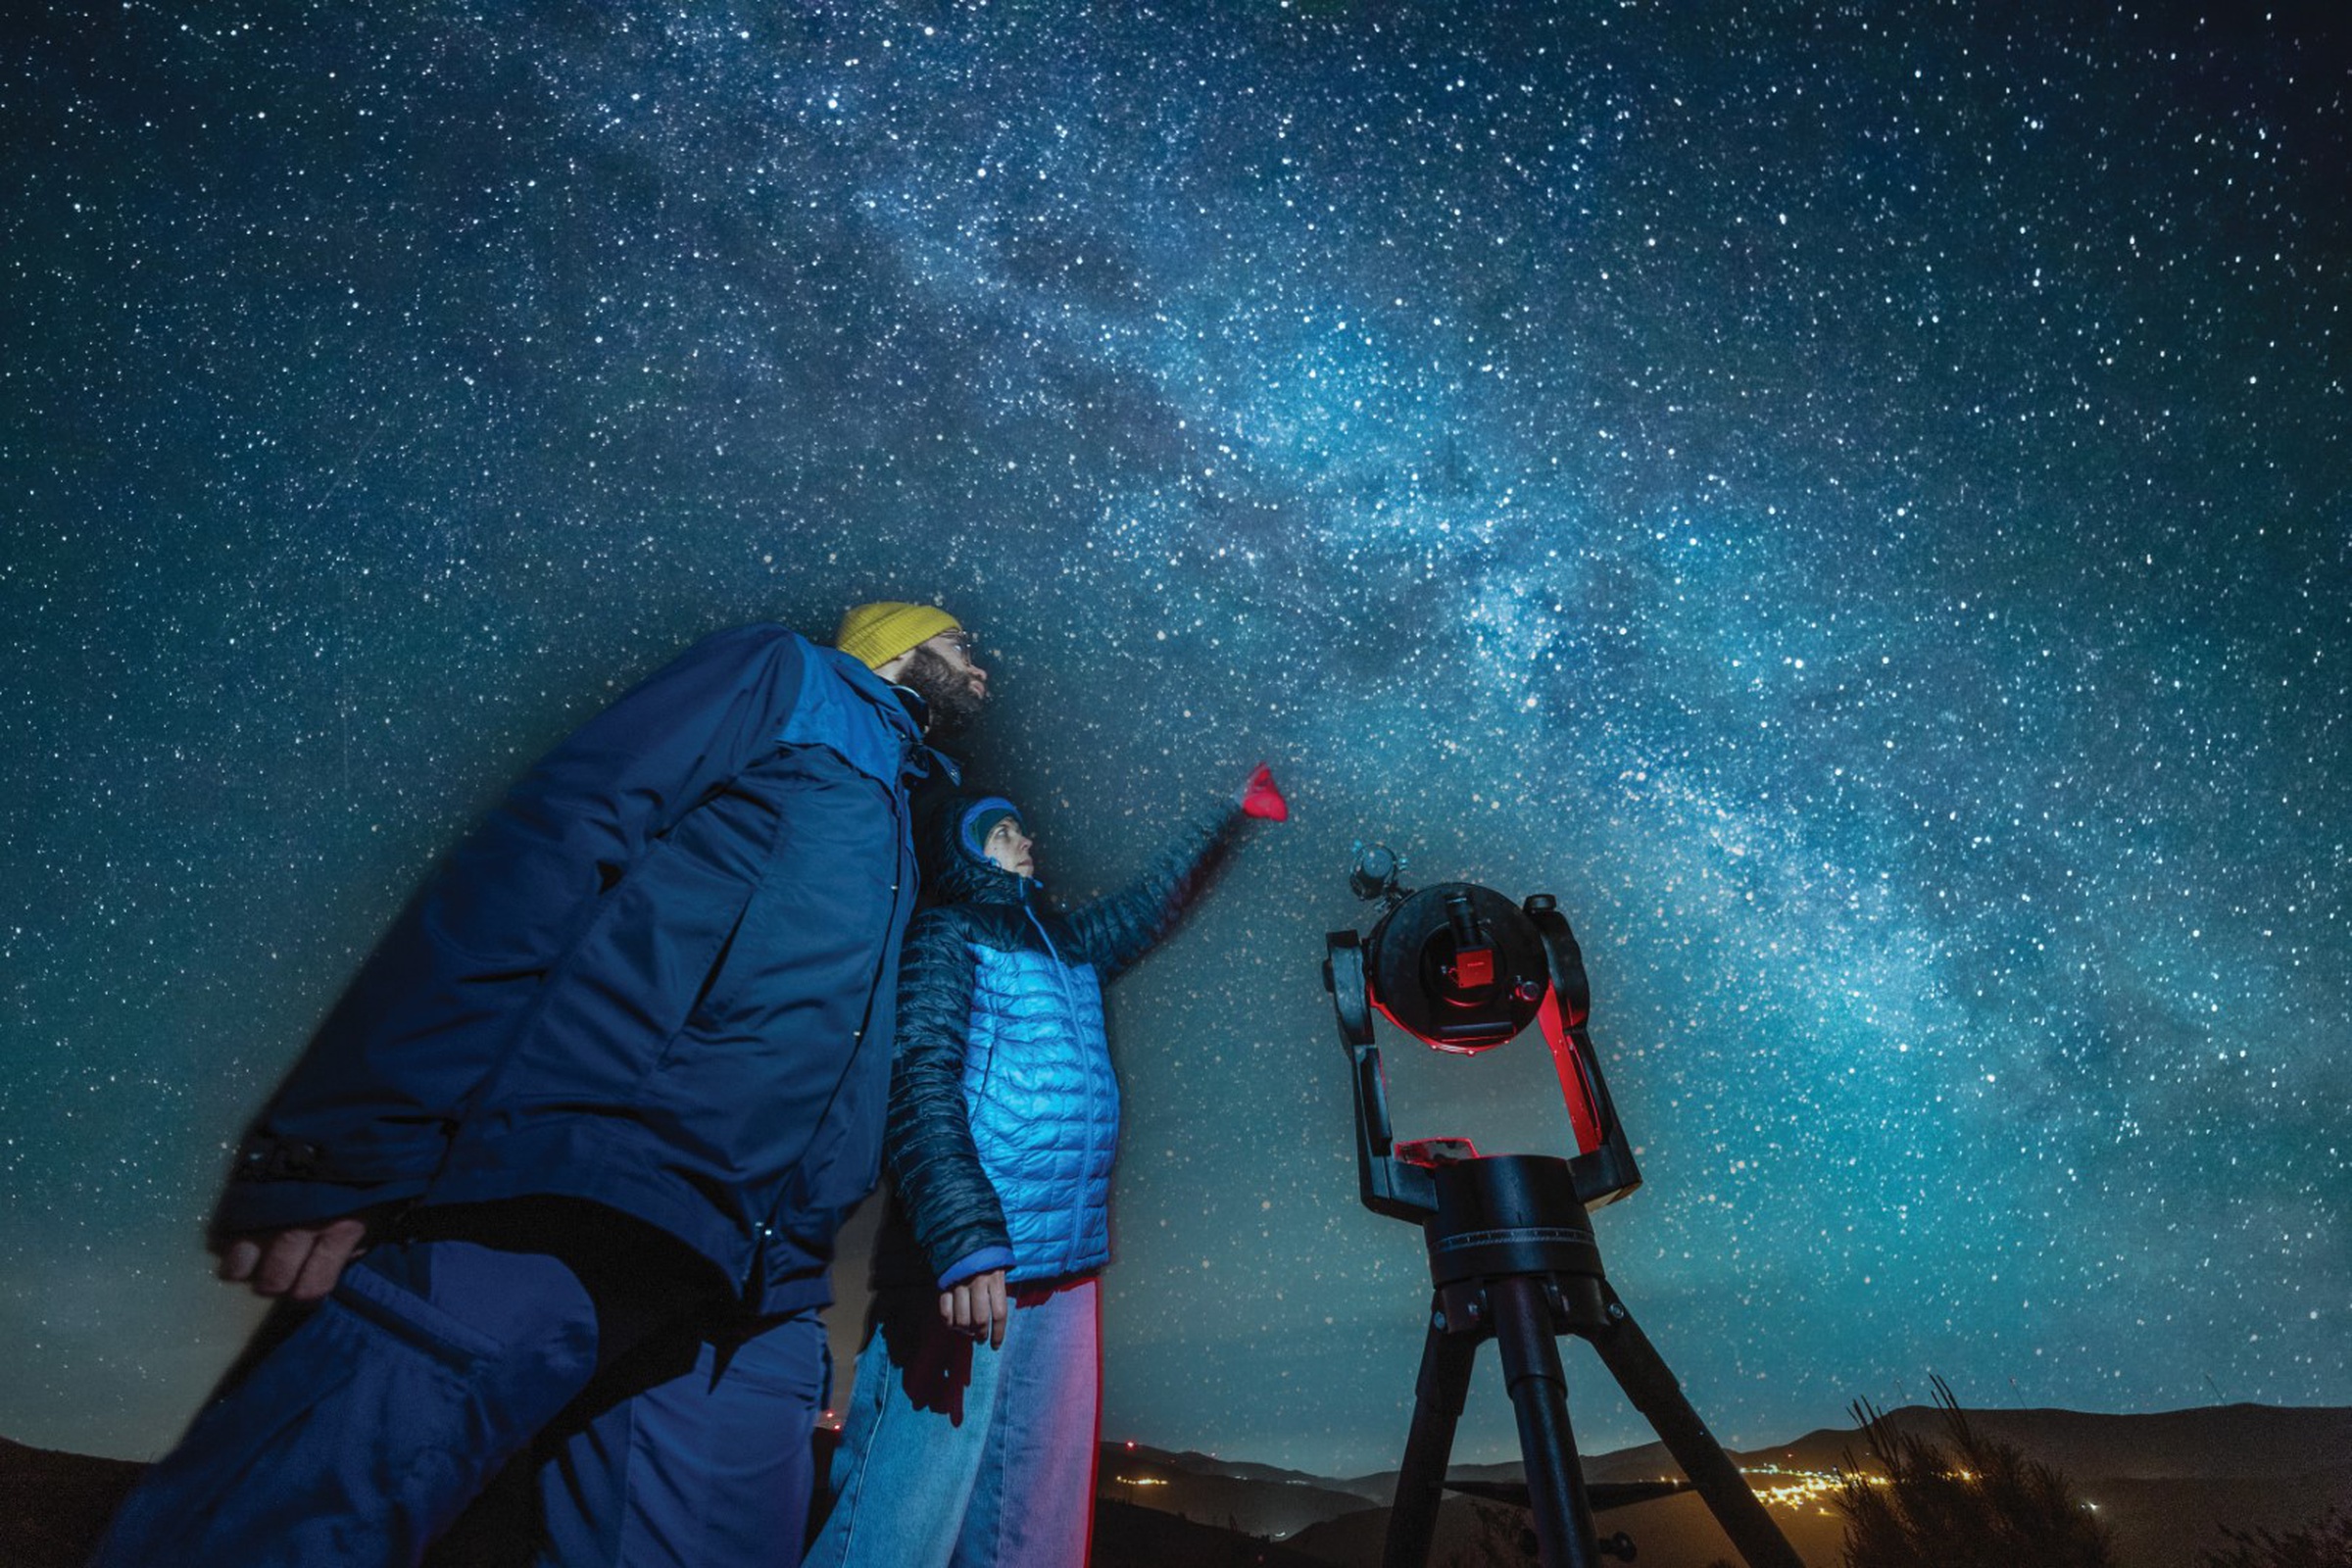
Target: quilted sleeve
948, 1197
1115, 931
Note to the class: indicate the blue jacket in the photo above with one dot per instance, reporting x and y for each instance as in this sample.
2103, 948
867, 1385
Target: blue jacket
660, 977
1003, 1108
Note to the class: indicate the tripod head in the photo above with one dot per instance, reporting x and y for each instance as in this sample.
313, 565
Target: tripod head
1462, 969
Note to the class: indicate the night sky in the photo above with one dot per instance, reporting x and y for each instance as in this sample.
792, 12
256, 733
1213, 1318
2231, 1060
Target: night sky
1854, 500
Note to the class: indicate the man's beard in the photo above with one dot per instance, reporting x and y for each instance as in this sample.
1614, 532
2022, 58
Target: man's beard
947, 692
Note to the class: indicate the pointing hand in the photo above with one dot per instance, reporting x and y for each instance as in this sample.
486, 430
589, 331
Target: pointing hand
1262, 798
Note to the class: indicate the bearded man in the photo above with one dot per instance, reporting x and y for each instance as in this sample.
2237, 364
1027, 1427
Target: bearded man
565, 1165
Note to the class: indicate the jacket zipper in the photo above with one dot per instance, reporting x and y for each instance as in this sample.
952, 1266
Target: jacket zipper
755, 1281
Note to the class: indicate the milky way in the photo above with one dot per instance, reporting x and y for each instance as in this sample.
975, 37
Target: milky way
1857, 509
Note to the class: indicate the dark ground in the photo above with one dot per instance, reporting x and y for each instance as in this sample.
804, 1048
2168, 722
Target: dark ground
2167, 1483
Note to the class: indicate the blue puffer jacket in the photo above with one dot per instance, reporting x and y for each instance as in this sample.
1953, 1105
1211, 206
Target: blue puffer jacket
1003, 1109
659, 977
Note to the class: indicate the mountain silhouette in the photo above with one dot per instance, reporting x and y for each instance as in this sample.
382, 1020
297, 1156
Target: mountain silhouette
2166, 1482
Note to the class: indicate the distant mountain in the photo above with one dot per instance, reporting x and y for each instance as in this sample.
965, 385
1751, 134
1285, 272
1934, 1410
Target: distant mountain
1253, 1500
2230, 1442
2166, 1481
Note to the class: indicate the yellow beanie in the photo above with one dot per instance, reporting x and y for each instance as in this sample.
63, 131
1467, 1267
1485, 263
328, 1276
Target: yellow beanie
880, 632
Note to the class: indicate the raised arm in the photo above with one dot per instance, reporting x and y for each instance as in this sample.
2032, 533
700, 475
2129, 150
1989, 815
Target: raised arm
1115, 931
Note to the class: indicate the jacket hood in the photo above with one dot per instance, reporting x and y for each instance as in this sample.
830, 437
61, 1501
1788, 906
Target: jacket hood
953, 872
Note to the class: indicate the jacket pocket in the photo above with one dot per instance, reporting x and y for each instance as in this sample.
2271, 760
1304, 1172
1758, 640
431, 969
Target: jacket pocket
606, 1014
713, 974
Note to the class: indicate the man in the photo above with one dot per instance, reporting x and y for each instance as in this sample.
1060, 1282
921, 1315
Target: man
587, 1120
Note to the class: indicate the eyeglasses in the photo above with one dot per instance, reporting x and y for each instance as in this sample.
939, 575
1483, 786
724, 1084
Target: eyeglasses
962, 641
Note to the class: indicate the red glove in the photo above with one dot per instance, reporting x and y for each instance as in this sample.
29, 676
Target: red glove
1261, 798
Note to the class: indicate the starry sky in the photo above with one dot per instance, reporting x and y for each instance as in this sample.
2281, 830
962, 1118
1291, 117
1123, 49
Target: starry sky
1855, 500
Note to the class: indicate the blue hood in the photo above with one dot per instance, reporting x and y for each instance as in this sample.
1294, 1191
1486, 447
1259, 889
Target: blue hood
952, 872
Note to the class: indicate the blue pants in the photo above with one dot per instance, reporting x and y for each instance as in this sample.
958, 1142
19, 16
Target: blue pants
954, 1455
361, 1438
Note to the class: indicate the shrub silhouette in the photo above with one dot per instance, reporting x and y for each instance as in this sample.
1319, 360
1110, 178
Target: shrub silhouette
2325, 1544
1983, 1505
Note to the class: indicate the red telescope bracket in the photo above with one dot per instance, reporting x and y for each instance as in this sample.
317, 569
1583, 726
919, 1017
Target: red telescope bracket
1462, 969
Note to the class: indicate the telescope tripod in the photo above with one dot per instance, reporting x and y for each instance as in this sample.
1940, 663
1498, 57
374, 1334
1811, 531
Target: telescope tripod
1513, 1256
1511, 1250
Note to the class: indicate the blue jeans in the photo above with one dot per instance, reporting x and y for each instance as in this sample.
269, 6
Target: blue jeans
958, 1456
361, 1438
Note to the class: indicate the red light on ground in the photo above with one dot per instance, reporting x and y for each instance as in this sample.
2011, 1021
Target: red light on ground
1130, 1443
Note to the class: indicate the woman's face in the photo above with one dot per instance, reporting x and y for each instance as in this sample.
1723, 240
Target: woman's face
1008, 847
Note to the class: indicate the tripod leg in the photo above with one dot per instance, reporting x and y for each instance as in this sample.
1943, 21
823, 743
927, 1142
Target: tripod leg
1539, 1389
1650, 1384
1438, 1396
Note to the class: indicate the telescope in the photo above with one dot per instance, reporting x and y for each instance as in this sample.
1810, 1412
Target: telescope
1513, 1254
